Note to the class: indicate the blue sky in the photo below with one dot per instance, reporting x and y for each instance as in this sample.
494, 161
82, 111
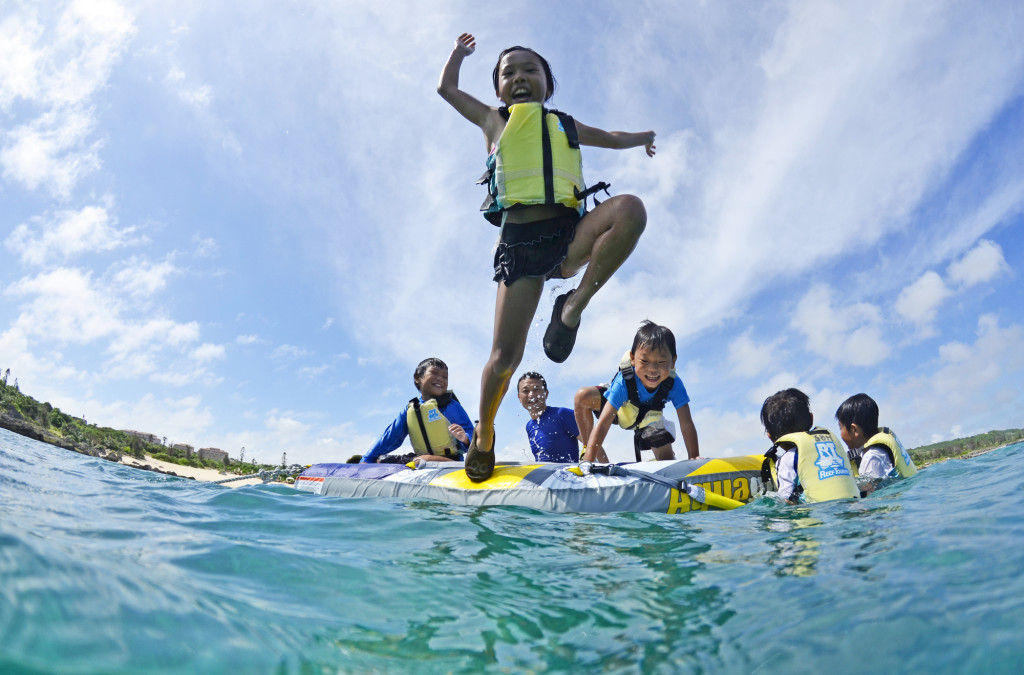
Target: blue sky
242, 224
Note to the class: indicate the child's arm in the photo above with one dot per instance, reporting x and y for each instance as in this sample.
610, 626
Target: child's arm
391, 439
616, 140
469, 107
688, 431
595, 451
459, 433
461, 427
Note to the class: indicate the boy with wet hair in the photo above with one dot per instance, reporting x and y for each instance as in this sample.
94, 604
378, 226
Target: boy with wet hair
436, 423
553, 434
874, 450
645, 383
807, 463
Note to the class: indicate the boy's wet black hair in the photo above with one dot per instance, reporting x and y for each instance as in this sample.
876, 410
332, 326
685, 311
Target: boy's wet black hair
421, 369
786, 412
653, 336
532, 376
544, 62
859, 409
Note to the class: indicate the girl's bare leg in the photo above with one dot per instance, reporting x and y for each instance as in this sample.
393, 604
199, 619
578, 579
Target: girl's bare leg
605, 237
513, 314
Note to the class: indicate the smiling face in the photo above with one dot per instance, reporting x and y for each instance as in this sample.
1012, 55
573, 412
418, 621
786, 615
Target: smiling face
522, 78
433, 383
652, 366
533, 395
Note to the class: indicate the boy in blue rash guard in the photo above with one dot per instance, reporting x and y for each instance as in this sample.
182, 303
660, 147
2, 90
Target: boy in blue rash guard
436, 422
552, 431
875, 451
645, 383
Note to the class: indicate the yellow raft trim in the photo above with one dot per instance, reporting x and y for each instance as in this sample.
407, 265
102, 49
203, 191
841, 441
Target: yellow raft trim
727, 464
503, 478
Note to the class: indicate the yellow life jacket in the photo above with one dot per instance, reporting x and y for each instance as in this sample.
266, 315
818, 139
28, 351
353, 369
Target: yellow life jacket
900, 457
428, 429
536, 160
823, 470
633, 413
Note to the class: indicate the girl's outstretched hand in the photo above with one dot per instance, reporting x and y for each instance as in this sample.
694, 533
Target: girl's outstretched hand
649, 143
465, 43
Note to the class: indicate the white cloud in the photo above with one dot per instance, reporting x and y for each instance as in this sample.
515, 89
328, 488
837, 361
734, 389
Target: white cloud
982, 263
90, 37
847, 333
918, 302
142, 278
60, 77
208, 352
66, 306
63, 305
748, 358
205, 247
290, 353
728, 434
19, 59
51, 151
67, 233
249, 340
973, 386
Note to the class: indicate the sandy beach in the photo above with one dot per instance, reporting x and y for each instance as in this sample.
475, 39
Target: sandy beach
205, 475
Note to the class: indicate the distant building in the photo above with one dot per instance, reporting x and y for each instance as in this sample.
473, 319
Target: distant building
213, 455
142, 435
184, 447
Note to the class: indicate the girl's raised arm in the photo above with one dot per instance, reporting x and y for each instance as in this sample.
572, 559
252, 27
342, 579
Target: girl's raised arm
616, 140
448, 87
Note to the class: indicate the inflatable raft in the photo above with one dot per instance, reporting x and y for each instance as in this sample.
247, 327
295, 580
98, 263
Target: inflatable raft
678, 486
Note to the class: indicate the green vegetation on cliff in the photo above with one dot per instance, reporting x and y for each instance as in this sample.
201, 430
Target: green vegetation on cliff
961, 447
25, 415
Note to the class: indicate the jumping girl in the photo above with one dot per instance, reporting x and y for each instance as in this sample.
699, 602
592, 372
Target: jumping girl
538, 198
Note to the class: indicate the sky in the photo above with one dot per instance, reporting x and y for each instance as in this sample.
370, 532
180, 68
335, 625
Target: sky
242, 224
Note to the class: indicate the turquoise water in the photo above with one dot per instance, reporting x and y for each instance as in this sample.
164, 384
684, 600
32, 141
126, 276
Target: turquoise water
108, 569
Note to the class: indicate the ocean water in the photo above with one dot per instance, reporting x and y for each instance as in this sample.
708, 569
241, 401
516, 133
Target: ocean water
108, 569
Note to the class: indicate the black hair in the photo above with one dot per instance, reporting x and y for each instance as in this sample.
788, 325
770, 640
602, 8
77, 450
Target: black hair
532, 376
859, 409
653, 336
421, 369
786, 412
544, 62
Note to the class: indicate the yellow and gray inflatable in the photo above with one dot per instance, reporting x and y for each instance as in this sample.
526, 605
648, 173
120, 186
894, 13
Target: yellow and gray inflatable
675, 486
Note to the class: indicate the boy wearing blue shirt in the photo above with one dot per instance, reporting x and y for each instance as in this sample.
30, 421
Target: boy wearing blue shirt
553, 434
646, 381
436, 423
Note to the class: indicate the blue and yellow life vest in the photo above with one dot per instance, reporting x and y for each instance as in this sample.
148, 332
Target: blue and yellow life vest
823, 470
901, 459
536, 161
636, 415
428, 427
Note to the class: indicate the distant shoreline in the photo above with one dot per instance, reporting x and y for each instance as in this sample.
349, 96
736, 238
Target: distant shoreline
970, 455
147, 463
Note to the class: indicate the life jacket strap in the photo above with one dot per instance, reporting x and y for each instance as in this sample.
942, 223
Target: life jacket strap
423, 427
549, 166
657, 401
582, 196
